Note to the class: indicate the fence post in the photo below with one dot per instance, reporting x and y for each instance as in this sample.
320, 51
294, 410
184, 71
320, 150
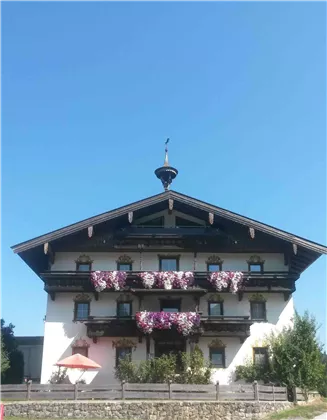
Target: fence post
256, 392
75, 391
123, 390
273, 390
294, 395
170, 390
217, 391
29, 385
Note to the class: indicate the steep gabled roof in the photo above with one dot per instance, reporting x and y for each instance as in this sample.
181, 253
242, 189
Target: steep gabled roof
160, 198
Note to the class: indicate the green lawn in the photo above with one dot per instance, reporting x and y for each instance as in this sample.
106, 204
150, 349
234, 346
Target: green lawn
305, 412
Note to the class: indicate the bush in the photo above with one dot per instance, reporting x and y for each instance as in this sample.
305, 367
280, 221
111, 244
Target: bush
192, 370
59, 376
251, 372
195, 370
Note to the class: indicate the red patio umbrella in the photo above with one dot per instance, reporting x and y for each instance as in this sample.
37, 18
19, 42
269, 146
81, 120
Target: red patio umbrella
78, 361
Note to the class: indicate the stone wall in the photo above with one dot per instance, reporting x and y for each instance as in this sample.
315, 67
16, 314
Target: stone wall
144, 410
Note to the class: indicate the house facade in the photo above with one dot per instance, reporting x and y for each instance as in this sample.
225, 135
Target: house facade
162, 275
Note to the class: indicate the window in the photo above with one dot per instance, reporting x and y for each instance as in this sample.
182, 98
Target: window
82, 310
124, 267
124, 309
83, 266
217, 357
122, 353
260, 355
256, 268
215, 308
81, 350
170, 305
258, 311
168, 264
213, 267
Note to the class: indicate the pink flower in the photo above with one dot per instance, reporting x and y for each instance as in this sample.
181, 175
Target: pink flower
224, 279
108, 280
185, 322
167, 279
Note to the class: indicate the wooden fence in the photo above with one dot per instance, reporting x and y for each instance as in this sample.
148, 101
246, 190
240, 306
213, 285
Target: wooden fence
169, 391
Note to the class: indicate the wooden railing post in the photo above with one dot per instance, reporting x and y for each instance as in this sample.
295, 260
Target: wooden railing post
256, 392
294, 395
76, 391
273, 392
170, 390
123, 390
29, 385
217, 391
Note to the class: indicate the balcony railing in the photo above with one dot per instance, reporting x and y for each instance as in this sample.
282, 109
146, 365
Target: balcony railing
75, 281
210, 326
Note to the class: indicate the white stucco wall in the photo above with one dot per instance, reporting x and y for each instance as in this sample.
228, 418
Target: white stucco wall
61, 331
65, 261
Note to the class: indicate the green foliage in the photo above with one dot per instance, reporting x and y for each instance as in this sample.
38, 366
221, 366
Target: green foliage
251, 372
192, 369
5, 364
59, 376
323, 386
295, 358
195, 370
15, 372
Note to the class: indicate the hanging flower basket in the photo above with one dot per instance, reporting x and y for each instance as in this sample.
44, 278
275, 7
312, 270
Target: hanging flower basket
108, 280
167, 279
231, 280
185, 322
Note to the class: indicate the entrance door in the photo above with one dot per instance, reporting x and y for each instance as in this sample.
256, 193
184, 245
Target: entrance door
169, 347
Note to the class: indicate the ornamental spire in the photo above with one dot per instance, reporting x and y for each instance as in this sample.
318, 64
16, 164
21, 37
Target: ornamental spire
166, 173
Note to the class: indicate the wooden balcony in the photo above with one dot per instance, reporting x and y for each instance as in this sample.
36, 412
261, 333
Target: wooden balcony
79, 281
211, 326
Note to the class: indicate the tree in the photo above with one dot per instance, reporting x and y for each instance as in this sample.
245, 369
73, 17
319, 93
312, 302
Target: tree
4, 359
295, 357
15, 371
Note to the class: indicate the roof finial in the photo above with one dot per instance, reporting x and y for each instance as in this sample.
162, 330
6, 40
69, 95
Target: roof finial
166, 153
166, 173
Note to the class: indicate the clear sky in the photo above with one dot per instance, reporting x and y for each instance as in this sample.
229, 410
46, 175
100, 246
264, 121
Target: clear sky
91, 90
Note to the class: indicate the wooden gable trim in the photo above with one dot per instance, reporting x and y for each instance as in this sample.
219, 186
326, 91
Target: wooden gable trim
181, 198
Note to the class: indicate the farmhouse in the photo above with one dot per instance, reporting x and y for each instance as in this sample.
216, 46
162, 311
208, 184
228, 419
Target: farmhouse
161, 275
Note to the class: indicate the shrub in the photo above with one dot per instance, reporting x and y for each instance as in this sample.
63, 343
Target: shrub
59, 376
192, 369
195, 370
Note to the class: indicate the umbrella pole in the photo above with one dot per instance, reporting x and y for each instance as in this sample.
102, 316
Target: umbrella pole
80, 376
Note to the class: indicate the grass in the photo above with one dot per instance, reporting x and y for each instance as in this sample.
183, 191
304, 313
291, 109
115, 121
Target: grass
301, 411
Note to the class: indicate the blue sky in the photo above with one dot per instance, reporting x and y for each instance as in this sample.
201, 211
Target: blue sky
90, 91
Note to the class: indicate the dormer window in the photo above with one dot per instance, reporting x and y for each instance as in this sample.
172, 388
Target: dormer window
168, 263
83, 263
